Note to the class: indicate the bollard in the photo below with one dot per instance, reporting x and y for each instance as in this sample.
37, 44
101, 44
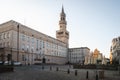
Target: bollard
87, 75
57, 69
68, 71
75, 72
96, 76
42, 67
119, 70
50, 68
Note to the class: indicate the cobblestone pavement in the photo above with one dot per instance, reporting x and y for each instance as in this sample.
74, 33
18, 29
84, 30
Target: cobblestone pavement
51, 73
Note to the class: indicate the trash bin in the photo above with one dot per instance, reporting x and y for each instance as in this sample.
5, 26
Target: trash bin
101, 74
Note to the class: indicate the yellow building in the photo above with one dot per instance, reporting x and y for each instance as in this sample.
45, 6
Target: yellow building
94, 57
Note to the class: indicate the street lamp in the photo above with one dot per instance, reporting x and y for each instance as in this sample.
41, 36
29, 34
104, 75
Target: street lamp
11, 57
18, 42
32, 57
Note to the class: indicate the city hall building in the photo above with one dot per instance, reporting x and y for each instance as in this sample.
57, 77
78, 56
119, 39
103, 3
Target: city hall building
29, 46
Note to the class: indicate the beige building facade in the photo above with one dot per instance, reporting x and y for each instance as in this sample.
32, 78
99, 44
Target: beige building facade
29, 46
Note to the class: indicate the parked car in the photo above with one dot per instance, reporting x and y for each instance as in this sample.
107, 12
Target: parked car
14, 63
17, 63
0, 62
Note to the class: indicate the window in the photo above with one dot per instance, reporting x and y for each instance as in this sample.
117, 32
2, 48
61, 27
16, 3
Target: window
23, 37
4, 36
4, 44
60, 33
0, 44
0, 36
32, 49
40, 44
8, 44
27, 47
43, 44
8, 35
37, 44
23, 58
28, 39
63, 18
23, 46
32, 40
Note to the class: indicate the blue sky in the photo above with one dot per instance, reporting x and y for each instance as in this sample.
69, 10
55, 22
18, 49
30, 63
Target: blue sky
91, 23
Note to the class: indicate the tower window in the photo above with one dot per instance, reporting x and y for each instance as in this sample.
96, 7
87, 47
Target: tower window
63, 18
60, 26
60, 32
66, 33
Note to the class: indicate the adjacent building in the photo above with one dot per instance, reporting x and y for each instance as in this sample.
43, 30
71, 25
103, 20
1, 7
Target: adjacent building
77, 55
115, 51
29, 46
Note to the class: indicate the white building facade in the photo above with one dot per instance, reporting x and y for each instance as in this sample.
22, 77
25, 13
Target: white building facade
115, 50
77, 55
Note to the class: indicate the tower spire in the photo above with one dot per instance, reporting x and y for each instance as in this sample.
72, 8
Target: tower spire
62, 12
62, 9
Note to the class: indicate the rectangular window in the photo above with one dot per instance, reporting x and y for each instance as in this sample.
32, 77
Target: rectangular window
23, 58
43, 44
4, 35
4, 44
23, 46
8, 44
40, 44
8, 35
37, 45
32, 40
0, 36
28, 39
0, 44
23, 37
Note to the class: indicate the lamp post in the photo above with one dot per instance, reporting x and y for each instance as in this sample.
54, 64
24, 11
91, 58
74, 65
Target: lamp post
28, 57
11, 57
18, 42
32, 57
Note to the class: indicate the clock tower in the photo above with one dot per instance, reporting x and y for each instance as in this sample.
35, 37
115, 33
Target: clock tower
62, 34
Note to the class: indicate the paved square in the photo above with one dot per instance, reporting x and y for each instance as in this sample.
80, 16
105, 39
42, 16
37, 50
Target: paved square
36, 73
